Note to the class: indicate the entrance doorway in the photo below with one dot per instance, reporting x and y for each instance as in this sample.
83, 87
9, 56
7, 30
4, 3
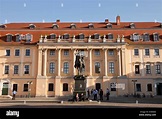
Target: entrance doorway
98, 86
159, 89
5, 89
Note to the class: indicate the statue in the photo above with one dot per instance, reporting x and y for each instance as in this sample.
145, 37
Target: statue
79, 63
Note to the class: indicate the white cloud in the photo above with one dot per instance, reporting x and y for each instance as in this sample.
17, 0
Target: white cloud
24, 4
136, 4
99, 4
62, 5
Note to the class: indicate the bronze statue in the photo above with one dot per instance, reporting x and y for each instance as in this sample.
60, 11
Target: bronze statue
79, 63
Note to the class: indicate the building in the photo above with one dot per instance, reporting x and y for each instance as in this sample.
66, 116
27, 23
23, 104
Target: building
37, 59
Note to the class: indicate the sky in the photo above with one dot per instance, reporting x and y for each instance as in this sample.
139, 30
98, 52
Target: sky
80, 10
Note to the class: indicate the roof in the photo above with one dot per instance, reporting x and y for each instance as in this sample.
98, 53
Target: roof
81, 27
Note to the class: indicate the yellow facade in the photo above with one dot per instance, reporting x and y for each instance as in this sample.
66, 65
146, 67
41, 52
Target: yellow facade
46, 68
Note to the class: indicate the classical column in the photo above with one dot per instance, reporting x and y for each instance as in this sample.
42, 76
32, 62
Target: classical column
123, 62
44, 62
33, 62
105, 62
39, 62
119, 56
59, 62
90, 62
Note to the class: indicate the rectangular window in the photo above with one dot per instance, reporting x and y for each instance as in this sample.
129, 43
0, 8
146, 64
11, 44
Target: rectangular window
97, 52
148, 69
158, 71
66, 67
65, 87
52, 67
147, 52
149, 87
97, 67
6, 69
14, 87
138, 87
137, 69
136, 52
50, 87
7, 52
26, 69
111, 52
66, 52
52, 52
111, 67
27, 53
17, 52
16, 69
156, 52
25, 88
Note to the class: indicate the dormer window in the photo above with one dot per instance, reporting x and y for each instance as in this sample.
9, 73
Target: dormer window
135, 37
81, 36
52, 36
110, 36
66, 36
96, 36
109, 25
9, 38
32, 26
155, 36
72, 26
18, 38
55, 26
90, 26
160, 25
3, 26
132, 25
28, 38
146, 37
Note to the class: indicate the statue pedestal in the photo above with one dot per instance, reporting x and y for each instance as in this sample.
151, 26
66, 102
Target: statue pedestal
80, 84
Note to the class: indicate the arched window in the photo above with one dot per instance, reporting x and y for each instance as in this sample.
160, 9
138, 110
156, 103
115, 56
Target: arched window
9, 38
32, 26
109, 25
52, 36
66, 36
72, 26
81, 36
110, 36
90, 26
55, 26
146, 37
28, 38
96, 36
155, 36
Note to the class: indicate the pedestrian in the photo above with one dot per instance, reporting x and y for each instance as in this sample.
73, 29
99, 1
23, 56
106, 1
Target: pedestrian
88, 94
101, 94
14, 95
107, 94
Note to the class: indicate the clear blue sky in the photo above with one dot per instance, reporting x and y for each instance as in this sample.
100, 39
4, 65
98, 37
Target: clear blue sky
79, 10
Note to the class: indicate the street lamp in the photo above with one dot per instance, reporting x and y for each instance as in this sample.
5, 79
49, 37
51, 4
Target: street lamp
29, 91
134, 81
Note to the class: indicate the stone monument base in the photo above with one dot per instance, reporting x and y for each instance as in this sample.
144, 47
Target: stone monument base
80, 85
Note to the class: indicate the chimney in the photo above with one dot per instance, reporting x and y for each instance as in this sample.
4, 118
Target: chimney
58, 20
118, 20
106, 20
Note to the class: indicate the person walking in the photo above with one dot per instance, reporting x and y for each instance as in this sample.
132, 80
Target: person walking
107, 94
14, 95
101, 94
